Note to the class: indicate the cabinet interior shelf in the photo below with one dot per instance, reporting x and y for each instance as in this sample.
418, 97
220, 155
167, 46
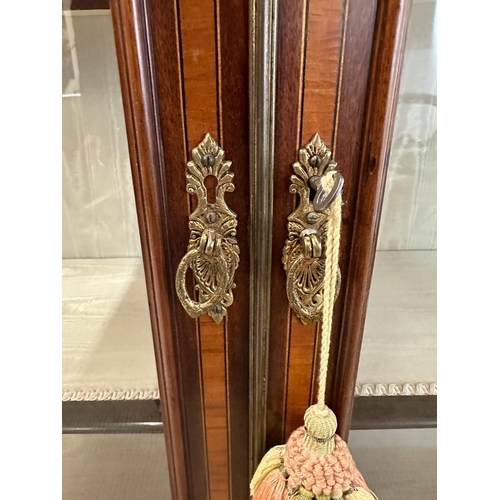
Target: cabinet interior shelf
107, 342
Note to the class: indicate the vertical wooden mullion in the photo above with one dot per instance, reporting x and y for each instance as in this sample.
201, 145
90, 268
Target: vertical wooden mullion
365, 142
290, 29
201, 87
321, 66
133, 40
233, 74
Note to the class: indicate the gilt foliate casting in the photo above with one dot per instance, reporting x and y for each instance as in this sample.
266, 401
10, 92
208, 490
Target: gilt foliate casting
303, 254
213, 252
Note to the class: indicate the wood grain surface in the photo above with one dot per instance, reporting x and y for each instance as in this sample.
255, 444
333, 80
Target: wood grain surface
85, 4
310, 39
290, 60
199, 65
325, 23
146, 145
365, 143
184, 72
314, 97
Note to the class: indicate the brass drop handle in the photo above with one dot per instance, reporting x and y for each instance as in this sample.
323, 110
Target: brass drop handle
311, 243
213, 252
318, 183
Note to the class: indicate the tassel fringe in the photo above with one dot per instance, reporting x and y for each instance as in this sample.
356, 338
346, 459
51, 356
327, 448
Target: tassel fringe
272, 487
302, 494
272, 460
359, 493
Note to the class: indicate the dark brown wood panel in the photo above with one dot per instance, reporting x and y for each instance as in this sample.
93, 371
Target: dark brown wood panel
366, 144
184, 72
160, 249
306, 99
337, 102
85, 4
198, 35
290, 56
199, 45
198, 66
324, 45
300, 372
167, 44
321, 69
359, 26
213, 355
233, 72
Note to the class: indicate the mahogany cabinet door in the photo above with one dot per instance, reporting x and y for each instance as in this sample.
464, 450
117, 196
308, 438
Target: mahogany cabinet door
262, 77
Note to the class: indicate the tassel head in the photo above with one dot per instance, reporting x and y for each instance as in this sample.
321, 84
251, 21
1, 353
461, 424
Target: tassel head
320, 425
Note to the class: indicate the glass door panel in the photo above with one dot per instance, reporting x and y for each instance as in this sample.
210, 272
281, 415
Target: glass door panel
399, 347
107, 342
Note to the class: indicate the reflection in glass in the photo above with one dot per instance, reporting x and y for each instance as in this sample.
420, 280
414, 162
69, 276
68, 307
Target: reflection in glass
107, 342
400, 335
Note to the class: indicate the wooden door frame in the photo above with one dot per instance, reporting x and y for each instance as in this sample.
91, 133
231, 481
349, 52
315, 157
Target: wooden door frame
389, 41
135, 62
132, 24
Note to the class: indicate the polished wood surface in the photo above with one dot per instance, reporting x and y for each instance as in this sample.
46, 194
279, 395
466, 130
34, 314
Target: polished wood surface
314, 97
198, 53
321, 69
158, 247
310, 54
233, 74
385, 72
290, 58
300, 383
198, 62
85, 4
184, 71
325, 22
359, 31
213, 361
199, 69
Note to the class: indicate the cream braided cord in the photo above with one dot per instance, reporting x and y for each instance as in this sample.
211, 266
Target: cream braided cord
330, 282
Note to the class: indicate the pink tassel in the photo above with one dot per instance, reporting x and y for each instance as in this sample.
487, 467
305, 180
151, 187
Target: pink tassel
273, 487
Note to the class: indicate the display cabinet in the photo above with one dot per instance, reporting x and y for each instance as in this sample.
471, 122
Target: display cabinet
182, 120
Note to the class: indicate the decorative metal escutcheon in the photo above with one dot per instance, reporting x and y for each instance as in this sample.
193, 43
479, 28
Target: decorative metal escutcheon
213, 252
303, 254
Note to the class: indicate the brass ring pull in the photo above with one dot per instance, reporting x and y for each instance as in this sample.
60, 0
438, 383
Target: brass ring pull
213, 253
303, 255
307, 300
212, 302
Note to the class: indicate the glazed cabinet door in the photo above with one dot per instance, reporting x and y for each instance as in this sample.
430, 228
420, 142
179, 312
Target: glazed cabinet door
185, 80
219, 98
108, 355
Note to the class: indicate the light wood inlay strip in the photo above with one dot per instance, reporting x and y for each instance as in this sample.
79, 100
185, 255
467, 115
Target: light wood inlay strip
202, 103
300, 373
200, 69
215, 397
322, 66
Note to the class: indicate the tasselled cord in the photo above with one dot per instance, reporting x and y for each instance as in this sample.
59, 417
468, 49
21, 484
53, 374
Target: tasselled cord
330, 282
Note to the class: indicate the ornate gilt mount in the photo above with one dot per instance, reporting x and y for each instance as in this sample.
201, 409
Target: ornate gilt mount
303, 255
213, 252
